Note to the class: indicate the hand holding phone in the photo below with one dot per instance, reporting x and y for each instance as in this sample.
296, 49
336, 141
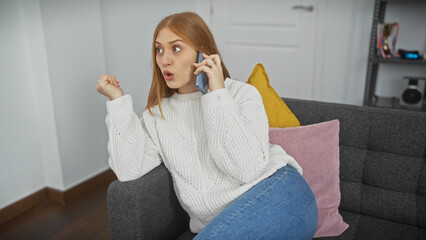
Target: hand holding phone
202, 82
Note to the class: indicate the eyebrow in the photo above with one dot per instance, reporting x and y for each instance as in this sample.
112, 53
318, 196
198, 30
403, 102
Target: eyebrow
176, 40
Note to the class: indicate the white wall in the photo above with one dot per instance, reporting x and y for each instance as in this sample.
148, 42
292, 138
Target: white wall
347, 38
21, 156
40, 82
75, 55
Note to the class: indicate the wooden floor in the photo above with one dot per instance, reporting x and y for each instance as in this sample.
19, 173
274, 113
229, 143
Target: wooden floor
82, 218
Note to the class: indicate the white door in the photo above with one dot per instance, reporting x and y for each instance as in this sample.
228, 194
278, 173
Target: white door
279, 34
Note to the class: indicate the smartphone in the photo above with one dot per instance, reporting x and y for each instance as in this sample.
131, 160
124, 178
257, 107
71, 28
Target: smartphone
202, 79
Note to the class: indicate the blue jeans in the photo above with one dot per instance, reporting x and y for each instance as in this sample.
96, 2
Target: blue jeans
279, 207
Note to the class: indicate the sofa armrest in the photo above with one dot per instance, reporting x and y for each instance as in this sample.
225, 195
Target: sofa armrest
146, 208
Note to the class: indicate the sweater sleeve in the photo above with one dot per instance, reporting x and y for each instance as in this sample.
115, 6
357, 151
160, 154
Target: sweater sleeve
132, 152
238, 133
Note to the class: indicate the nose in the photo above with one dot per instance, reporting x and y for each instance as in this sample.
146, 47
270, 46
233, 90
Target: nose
166, 59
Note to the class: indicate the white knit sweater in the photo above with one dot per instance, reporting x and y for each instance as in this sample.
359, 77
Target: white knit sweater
216, 146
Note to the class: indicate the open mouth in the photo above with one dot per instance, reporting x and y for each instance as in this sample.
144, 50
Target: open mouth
168, 75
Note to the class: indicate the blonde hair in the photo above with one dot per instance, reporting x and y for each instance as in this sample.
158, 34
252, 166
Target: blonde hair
194, 32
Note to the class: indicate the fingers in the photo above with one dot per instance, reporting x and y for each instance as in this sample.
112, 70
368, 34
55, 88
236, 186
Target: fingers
116, 82
214, 57
205, 69
211, 61
210, 64
111, 79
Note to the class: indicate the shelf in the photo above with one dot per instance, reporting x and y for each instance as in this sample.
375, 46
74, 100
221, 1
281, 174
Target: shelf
374, 61
399, 61
393, 102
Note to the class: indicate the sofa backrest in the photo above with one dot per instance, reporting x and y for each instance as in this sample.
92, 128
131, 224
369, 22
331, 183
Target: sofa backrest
382, 158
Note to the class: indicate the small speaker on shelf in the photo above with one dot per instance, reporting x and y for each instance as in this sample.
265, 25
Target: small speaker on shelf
413, 92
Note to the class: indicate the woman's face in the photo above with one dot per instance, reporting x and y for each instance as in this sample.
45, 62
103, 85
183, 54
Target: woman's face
176, 60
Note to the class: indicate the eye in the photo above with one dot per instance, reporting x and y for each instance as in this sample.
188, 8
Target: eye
177, 49
159, 50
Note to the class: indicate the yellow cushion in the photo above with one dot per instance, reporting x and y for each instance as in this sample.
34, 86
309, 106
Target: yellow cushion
279, 115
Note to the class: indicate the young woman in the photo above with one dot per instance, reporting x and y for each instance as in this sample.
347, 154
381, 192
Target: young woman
227, 177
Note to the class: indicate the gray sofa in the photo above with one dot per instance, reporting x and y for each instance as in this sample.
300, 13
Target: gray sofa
382, 173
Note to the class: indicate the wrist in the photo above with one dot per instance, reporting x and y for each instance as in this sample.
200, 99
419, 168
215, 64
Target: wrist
115, 97
217, 87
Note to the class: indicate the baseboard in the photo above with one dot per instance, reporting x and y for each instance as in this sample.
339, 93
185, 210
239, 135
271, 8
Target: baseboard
55, 195
90, 184
61, 197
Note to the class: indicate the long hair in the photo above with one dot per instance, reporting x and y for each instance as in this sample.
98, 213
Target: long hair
194, 32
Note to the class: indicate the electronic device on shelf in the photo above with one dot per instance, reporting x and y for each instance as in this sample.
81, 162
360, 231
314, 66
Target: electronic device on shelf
413, 92
413, 55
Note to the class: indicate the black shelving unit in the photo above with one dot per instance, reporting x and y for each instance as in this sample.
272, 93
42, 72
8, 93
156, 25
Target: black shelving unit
399, 61
370, 99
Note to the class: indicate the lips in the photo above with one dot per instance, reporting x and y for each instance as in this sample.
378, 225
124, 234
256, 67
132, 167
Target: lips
168, 75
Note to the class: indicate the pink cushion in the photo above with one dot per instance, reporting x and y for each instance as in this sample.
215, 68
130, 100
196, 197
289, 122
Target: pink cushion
316, 148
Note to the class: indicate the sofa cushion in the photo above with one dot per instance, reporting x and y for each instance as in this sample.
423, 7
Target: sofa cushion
397, 133
279, 115
372, 228
316, 148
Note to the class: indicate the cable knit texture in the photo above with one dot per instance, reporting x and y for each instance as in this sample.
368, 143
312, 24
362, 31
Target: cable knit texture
216, 146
